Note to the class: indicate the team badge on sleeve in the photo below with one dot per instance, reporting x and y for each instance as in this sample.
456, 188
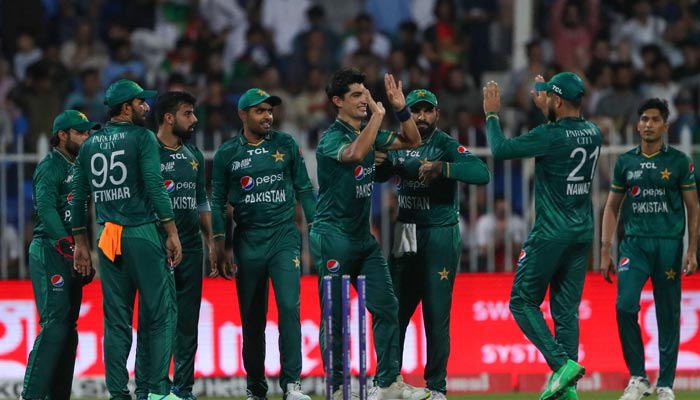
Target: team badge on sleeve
691, 167
69, 199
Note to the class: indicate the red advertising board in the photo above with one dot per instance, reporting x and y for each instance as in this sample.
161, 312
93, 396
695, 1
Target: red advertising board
486, 342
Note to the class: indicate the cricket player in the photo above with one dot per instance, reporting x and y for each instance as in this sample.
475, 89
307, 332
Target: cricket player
261, 173
657, 185
57, 291
427, 243
119, 167
555, 256
182, 165
340, 239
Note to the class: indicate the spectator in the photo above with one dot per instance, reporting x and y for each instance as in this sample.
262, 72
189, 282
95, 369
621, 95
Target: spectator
284, 19
84, 50
363, 29
572, 30
516, 93
621, 102
27, 53
122, 64
476, 19
663, 87
459, 91
259, 53
643, 28
497, 228
686, 120
226, 19
389, 14
89, 96
440, 45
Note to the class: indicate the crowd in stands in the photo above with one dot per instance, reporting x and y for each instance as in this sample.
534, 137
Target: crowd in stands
58, 54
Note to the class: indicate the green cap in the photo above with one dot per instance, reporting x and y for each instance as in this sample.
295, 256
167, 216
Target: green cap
253, 97
566, 85
418, 95
125, 90
73, 119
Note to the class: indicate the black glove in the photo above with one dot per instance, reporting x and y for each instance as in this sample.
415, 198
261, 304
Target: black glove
66, 247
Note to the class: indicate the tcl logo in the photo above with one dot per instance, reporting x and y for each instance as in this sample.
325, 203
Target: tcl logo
178, 156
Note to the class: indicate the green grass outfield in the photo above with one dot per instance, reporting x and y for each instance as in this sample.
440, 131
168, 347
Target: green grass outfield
508, 396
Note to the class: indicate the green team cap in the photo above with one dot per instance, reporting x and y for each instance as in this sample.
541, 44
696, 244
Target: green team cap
253, 97
566, 85
73, 119
418, 95
125, 90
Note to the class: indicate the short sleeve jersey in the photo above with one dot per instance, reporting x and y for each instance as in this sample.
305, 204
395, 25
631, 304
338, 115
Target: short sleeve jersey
52, 196
184, 179
345, 188
259, 181
653, 186
119, 166
428, 204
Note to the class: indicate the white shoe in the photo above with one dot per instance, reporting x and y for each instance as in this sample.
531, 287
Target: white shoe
294, 392
664, 393
397, 391
338, 395
637, 388
437, 395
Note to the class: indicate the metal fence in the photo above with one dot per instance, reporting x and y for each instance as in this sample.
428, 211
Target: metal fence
492, 249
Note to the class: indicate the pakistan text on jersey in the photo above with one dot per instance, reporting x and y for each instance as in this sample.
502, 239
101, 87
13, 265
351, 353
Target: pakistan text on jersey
578, 188
650, 207
363, 191
119, 193
184, 203
414, 202
269, 196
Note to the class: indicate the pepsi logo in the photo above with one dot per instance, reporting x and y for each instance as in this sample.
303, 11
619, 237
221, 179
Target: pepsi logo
522, 255
462, 150
57, 281
169, 185
624, 262
69, 198
359, 173
333, 265
691, 168
247, 182
398, 182
636, 191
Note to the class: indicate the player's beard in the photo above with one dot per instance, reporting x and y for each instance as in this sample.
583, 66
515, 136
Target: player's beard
71, 147
138, 120
426, 130
183, 133
551, 113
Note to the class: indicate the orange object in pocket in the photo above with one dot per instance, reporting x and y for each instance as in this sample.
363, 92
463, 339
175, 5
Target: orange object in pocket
111, 240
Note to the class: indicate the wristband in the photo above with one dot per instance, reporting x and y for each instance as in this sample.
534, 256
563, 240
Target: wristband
491, 114
403, 115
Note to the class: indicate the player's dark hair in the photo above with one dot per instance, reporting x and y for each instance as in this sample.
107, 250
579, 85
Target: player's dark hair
341, 81
55, 140
654, 103
115, 110
170, 102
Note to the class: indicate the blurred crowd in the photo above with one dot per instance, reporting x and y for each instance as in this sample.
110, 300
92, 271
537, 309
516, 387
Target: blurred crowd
58, 54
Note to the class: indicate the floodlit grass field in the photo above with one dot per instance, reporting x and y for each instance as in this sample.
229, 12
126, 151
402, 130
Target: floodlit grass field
512, 396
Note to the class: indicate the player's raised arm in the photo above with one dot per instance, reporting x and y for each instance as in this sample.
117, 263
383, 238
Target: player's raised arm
408, 136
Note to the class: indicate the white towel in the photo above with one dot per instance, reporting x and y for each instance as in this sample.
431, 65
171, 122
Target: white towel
404, 239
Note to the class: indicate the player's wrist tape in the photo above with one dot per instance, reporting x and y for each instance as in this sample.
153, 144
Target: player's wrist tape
491, 114
403, 115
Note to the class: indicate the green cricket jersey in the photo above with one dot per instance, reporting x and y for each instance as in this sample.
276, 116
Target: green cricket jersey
259, 181
566, 155
435, 203
51, 192
345, 188
183, 172
653, 186
119, 166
